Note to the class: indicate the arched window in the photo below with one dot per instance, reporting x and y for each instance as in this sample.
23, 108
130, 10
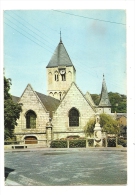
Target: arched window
73, 117
56, 76
50, 78
31, 120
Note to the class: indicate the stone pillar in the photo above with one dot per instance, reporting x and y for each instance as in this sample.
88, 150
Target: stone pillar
116, 141
87, 144
67, 143
97, 133
104, 136
48, 133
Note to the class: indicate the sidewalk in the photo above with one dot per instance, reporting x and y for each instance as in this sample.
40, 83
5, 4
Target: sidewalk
122, 149
8, 182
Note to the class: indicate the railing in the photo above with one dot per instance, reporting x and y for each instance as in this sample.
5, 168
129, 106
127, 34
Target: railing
68, 143
24, 144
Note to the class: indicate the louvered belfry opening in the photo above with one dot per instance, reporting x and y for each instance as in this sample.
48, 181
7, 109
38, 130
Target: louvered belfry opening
31, 120
73, 117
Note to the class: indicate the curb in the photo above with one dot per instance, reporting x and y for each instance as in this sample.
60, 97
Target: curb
11, 183
66, 149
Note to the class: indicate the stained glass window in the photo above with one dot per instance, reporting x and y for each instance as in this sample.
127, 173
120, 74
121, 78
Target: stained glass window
73, 117
30, 120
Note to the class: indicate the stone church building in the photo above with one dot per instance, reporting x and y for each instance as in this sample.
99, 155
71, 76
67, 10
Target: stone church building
64, 111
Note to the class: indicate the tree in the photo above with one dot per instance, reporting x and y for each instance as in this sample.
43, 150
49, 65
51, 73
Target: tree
115, 99
107, 124
11, 111
89, 127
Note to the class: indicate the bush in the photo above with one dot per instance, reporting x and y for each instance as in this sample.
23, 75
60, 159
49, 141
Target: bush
58, 144
104, 142
122, 142
90, 142
77, 144
111, 142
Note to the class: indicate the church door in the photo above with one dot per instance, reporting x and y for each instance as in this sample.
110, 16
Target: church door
30, 140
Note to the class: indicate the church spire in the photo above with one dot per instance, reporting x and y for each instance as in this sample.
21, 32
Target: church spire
60, 37
104, 99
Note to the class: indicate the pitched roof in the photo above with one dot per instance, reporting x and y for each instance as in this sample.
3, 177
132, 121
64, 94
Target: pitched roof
49, 102
89, 98
119, 115
60, 57
104, 99
15, 99
73, 83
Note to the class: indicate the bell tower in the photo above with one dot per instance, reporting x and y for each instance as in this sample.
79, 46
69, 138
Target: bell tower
60, 72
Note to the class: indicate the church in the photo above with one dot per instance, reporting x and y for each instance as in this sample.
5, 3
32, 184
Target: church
64, 111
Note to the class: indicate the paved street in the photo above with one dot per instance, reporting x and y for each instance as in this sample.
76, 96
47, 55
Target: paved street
66, 167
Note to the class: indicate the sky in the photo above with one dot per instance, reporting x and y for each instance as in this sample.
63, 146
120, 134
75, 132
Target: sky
94, 39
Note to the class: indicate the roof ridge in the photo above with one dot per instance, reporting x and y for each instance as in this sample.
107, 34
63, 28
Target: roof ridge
60, 57
29, 85
80, 92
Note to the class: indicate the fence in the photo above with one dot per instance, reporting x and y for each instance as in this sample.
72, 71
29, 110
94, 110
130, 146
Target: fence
73, 143
23, 144
69, 143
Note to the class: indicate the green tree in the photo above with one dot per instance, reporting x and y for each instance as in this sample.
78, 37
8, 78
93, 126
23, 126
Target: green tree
107, 124
11, 111
118, 101
89, 127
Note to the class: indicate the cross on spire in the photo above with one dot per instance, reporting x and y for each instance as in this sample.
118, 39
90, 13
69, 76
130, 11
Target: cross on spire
60, 37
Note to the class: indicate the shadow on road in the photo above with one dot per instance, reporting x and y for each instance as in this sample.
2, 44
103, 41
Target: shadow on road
7, 171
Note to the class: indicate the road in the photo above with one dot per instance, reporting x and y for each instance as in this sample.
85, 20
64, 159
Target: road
73, 167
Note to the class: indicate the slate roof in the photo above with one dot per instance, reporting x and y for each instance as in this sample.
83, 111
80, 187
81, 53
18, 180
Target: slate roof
49, 102
15, 99
104, 99
89, 98
60, 57
119, 115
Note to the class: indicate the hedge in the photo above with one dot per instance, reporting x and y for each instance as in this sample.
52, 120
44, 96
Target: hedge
77, 144
111, 142
122, 142
91, 142
58, 144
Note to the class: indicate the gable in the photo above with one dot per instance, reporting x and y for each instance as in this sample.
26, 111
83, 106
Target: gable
75, 98
30, 99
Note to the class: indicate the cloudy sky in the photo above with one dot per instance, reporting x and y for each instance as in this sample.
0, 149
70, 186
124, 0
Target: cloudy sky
94, 39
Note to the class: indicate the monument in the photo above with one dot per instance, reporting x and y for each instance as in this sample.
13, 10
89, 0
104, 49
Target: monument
97, 132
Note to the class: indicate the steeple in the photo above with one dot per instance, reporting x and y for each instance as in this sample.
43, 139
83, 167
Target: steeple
60, 37
60, 56
60, 72
104, 99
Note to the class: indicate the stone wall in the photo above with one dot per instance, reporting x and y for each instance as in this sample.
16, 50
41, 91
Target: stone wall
104, 110
74, 98
54, 86
30, 101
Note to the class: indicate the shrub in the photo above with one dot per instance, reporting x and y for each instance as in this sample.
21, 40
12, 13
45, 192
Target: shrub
122, 142
58, 144
104, 142
91, 142
111, 142
77, 144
